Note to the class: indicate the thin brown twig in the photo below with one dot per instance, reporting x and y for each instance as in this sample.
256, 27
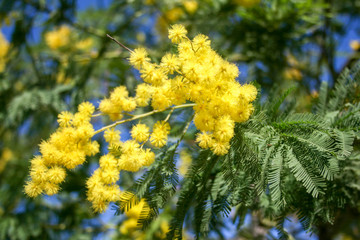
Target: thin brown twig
119, 43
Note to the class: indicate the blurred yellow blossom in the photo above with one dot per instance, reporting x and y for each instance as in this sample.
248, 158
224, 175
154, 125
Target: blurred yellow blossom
164, 228
130, 225
185, 162
62, 78
94, 54
190, 6
355, 45
314, 93
292, 61
58, 38
292, 74
84, 44
168, 17
4, 46
6, 156
174, 14
4, 49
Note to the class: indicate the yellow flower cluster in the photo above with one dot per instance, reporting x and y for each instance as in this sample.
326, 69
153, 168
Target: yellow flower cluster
140, 132
66, 149
102, 187
118, 102
4, 49
160, 133
134, 157
197, 74
58, 38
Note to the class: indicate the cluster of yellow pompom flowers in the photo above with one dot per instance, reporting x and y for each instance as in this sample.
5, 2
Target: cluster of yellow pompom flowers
199, 75
195, 76
66, 149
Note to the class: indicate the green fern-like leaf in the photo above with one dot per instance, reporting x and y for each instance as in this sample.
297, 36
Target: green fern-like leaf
312, 183
344, 142
323, 96
275, 178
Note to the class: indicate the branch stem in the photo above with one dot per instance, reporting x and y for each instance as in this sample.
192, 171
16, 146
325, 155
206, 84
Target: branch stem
142, 116
168, 116
119, 43
97, 114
